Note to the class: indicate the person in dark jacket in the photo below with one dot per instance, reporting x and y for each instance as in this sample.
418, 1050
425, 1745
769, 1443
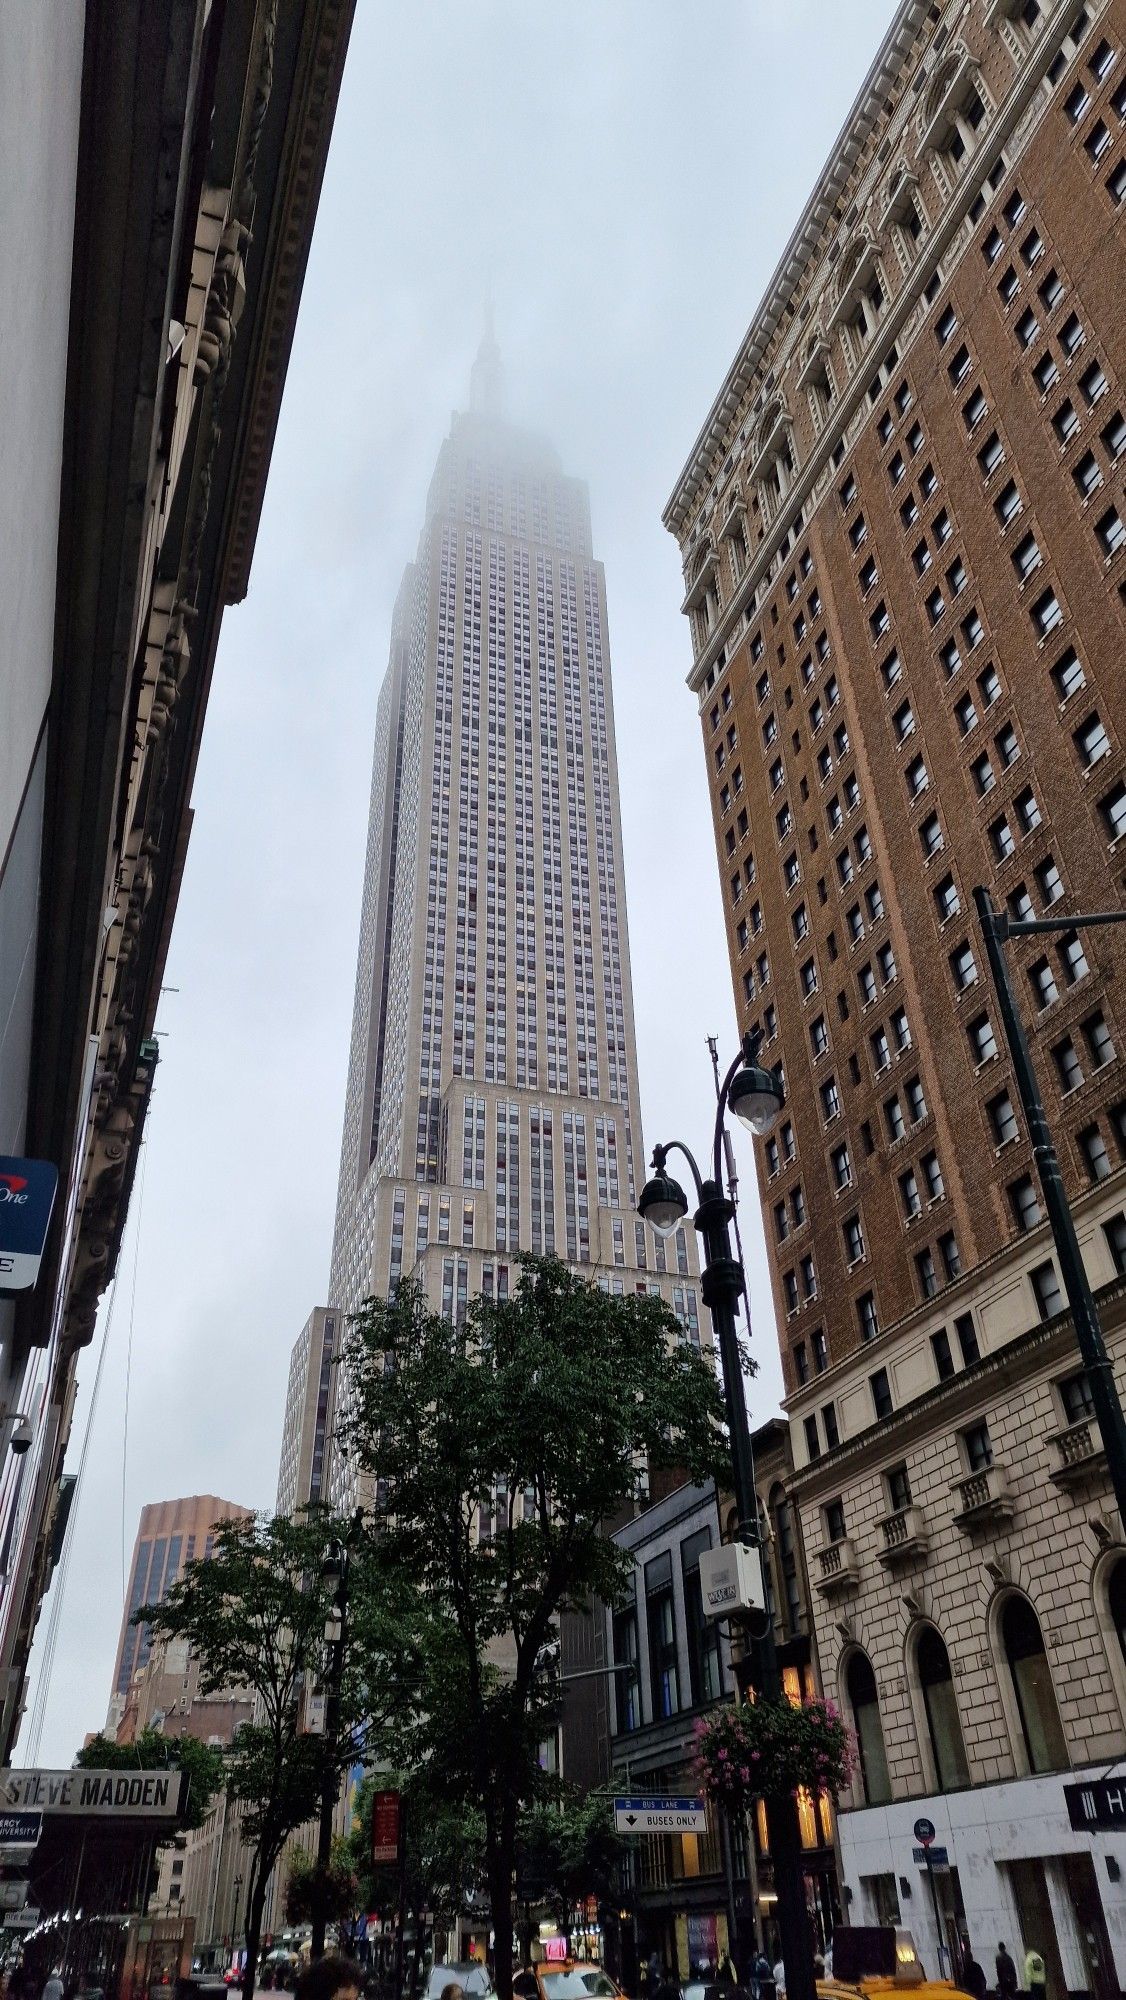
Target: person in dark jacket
973, 1975
1006, 1974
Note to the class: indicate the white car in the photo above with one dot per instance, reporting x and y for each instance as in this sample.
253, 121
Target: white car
474, 1979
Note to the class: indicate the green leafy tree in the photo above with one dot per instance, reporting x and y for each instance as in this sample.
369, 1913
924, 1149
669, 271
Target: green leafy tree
153, 1751
442, 1870
571, 1850
336, 1890
502, 1449
254, 1614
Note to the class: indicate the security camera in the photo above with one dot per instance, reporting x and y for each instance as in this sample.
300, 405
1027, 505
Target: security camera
21, 1437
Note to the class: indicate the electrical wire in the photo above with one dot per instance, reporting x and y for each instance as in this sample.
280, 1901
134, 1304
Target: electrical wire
58, 1594
129, 1359
54, 1616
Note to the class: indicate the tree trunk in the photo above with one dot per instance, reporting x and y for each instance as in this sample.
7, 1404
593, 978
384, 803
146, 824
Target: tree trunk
255, 1904
501, 1861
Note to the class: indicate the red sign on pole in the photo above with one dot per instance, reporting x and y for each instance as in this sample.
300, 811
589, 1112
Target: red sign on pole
386, 1827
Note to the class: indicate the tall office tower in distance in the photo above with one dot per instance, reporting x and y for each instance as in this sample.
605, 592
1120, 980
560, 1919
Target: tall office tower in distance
492, 1102
905, 565
170, 1533
306, 1428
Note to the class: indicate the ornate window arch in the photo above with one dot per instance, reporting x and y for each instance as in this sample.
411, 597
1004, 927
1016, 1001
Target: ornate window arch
937, 1722
1108, 1584
860, 1702
1028, 1694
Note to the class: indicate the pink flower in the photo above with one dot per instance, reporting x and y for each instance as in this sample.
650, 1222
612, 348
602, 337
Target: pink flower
745, 1774
723, 1756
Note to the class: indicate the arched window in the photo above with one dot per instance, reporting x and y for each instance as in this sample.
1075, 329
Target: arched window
1116, 1602
1044, 1742
936, 1684
860, 1686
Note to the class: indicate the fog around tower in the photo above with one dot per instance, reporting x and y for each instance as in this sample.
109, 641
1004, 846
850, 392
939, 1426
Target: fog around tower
519, 213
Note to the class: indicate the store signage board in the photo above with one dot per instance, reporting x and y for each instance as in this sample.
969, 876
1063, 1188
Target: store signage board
660, 1815
20, 1829
94, 1794
21, 1920
1098, 1806
27, 1196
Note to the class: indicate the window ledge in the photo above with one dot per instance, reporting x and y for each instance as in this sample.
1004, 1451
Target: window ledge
905, 1536
985, 1499
839, 1567
1080, 1454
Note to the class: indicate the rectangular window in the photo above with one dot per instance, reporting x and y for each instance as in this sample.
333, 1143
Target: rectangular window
977, 1447
1025, 1203
1046, 1289
704, 1667
881, 1394
660, 1616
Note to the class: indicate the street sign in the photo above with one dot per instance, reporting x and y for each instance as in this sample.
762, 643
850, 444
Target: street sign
20, 1829
924, 1831
931, 1857
660, 1815
13, 1895
27, 1196
386, 1827
21, 1920
1097, 1806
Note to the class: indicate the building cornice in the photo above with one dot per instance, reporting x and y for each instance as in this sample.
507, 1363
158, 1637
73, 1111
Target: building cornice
904, 308
868, 108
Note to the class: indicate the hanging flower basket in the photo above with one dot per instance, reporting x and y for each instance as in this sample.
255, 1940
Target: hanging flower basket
772, 1746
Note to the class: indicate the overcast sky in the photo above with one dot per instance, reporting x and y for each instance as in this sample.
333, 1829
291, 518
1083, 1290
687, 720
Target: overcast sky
622, 177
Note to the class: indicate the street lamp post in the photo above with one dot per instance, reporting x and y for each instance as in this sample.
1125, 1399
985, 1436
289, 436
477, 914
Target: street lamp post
756, 1097
335, 1565
997, 928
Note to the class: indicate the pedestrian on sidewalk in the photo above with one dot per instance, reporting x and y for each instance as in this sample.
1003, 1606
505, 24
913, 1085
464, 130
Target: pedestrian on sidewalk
331, 1978
1035, 1976
1006, 1974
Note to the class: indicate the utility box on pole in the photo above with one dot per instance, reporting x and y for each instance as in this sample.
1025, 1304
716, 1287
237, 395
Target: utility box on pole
731, 1580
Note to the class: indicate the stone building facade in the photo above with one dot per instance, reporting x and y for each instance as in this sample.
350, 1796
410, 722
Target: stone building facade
905, 569
162, 168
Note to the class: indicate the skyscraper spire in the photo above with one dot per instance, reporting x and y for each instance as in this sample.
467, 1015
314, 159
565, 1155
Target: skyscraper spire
486, 381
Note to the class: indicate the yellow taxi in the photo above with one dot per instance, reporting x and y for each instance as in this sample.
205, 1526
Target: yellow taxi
565, 1979
875, 1959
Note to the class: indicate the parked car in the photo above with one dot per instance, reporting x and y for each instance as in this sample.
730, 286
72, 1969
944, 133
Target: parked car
475, 1980
570, 1979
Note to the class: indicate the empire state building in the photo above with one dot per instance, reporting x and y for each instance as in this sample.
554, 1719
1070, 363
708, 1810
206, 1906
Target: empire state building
492, 1101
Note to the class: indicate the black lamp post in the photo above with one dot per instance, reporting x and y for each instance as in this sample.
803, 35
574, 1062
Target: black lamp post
756, 1097
334, 1566
997, 928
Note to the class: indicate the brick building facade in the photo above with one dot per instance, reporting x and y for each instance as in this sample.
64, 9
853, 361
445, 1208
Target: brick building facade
905, 567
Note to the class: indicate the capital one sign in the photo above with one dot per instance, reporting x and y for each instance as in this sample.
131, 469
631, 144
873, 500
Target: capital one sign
27, 1197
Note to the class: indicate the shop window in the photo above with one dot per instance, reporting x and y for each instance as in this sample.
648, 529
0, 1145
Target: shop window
1041, 1742
940, 1710
871, 1756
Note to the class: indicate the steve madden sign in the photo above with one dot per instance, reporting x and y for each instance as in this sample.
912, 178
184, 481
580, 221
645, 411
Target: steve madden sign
108, 1794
